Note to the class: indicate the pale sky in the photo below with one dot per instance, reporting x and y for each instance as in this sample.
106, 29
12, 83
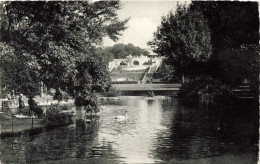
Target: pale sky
145, 17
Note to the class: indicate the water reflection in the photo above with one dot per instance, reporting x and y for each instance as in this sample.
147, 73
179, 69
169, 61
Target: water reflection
206, 132
134, 139
158, 130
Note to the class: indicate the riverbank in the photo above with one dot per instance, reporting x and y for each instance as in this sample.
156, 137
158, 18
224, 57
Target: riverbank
11, 126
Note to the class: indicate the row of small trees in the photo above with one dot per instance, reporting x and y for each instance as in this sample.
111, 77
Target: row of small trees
56, 43
214, 40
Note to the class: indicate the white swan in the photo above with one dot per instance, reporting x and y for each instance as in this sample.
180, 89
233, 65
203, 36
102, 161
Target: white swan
121, 118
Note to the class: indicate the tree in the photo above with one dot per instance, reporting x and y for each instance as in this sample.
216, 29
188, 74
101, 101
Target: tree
105, 55
121, 51
240, 63
184, 38
19, 72
60, 35
232, 24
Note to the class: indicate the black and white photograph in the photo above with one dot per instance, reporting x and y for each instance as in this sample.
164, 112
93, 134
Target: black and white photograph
129, 82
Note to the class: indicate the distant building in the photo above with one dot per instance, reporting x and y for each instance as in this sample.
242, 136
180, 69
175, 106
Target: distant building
135, 63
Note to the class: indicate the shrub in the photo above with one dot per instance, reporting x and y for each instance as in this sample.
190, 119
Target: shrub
54, 118
204, 87
60, 95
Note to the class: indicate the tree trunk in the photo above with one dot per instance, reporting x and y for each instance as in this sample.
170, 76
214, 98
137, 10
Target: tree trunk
183, 78
80, 113
1, 85
41, 83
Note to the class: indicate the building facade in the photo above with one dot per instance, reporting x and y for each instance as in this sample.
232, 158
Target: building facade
135, 63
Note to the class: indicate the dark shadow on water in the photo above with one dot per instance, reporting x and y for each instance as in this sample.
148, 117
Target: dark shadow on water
209, 130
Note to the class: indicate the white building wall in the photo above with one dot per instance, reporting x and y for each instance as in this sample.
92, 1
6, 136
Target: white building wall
130, 60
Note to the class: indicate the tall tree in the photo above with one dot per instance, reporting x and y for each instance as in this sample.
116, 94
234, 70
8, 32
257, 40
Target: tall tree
184, 38
60, 35
232, 24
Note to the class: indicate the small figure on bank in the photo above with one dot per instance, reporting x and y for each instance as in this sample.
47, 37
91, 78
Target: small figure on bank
21, 103
34, 107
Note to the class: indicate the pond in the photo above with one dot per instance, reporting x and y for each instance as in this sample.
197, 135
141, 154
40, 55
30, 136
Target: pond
157, 130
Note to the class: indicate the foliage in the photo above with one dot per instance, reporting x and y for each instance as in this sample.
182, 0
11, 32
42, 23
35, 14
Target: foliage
167, 72
105, 55
202, 86
235, 39
184, 38
240, 63
231, 23
19, 71
231, 29
61, 39
89, 76
121, 51
54, 118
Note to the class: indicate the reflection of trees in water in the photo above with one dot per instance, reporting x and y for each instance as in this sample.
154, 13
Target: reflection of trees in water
193, 133
89, 147
52, 145
11, 150
239, 123
78, 142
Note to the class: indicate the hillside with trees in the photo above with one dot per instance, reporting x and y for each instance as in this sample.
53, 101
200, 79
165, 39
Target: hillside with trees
121, 51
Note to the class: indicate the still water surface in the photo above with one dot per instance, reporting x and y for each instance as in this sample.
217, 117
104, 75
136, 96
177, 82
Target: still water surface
157, 131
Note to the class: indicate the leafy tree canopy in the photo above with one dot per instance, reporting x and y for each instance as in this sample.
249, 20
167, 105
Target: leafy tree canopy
231, 23
240, 63
235, 39
59, 36
18, 72
184, 38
